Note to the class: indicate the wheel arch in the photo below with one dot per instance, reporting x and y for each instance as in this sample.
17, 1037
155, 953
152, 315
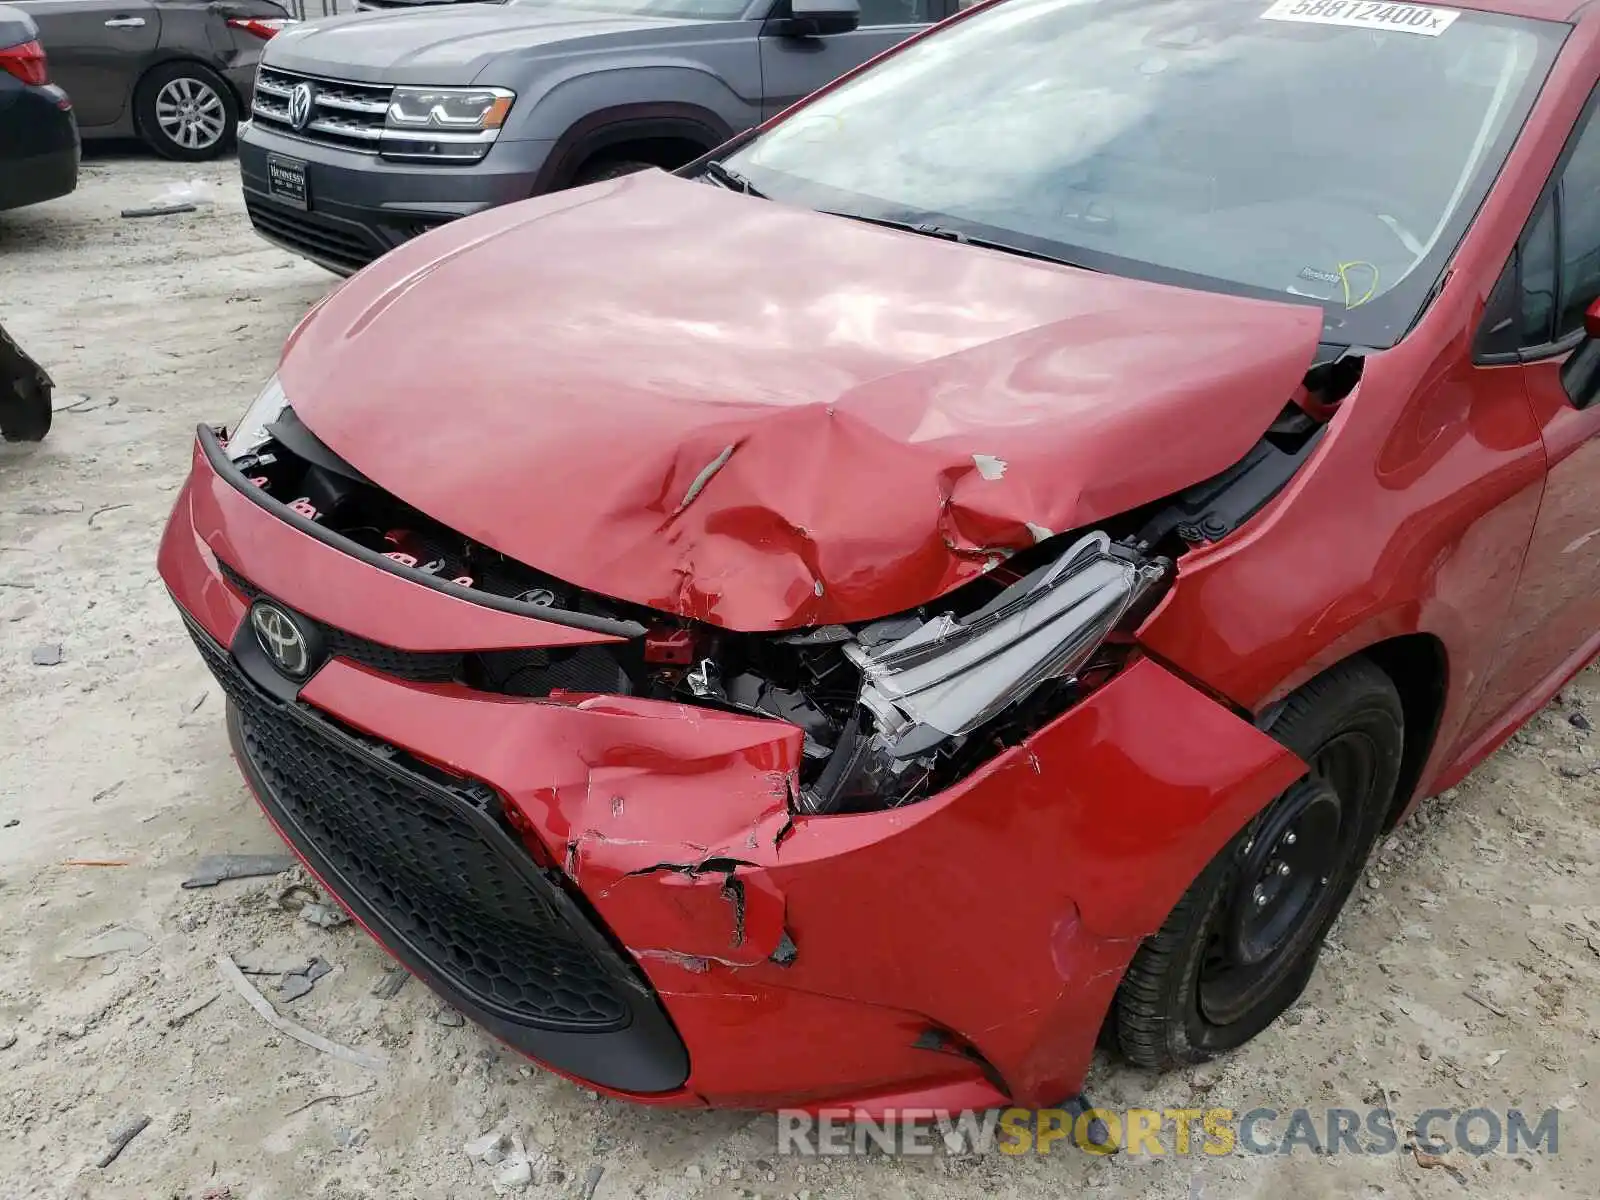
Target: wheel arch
611, 129
1417, 664
173, 58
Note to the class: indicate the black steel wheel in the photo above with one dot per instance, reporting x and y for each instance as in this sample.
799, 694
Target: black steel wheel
1242, 943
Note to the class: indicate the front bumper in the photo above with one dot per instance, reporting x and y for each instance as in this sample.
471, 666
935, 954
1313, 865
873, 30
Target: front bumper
956, 953
361, 206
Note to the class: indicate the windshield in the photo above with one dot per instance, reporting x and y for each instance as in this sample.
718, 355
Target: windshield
1275, 151
697, 10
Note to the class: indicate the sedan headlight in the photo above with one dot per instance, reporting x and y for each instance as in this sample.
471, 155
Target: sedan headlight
249, 432
925, 689
458, 123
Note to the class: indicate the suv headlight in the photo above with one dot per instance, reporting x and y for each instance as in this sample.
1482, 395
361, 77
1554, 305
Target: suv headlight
459, 123
249, 432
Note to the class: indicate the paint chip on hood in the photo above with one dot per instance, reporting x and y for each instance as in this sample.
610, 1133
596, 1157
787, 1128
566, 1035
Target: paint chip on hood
989, 466
700, 480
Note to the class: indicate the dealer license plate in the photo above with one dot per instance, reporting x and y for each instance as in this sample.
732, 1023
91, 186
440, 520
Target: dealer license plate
286, 181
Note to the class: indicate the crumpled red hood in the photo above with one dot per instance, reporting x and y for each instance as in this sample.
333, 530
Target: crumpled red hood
765, 417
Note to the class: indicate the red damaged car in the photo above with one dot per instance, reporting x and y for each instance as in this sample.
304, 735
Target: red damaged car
965, 570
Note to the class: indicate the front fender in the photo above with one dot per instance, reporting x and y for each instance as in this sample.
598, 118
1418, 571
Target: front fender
563, 96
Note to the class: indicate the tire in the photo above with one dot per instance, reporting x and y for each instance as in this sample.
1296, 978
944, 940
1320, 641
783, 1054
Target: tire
616, 168
1242, 943
24, 411
186, 111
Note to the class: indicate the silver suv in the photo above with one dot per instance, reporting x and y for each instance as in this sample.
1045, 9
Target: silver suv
371, 128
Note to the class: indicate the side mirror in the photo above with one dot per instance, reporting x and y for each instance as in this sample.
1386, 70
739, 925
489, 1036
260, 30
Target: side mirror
1591, 320
818, 18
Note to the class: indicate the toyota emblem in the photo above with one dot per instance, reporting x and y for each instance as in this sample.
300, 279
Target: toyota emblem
300, 105
281, 639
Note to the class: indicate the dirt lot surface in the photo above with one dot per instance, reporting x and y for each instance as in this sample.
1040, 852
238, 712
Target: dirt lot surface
1465, 974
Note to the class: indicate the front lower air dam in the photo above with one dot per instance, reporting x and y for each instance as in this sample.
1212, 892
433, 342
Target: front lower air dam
625, 888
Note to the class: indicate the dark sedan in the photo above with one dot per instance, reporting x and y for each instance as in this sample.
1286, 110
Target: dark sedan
174, 73
38, 137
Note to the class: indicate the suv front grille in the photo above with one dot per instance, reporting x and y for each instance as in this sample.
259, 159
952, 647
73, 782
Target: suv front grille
343, 113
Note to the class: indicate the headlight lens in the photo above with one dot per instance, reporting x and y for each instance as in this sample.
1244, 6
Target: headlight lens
444, 124
249, 432
450, 108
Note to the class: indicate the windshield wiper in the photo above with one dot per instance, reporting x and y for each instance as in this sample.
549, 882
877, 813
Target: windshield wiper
732, 179
928, 229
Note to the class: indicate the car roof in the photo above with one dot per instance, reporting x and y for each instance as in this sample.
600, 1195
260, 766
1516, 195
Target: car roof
1566, 11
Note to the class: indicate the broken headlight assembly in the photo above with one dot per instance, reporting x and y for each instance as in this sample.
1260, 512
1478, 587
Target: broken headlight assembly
896, 709
250, 432
927, 687
444, 124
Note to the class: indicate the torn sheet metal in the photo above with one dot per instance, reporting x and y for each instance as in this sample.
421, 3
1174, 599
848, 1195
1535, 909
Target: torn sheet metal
756, 925
871, 427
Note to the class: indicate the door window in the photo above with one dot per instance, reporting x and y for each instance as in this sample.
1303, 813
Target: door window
897, 12
1553, 275
1579, 205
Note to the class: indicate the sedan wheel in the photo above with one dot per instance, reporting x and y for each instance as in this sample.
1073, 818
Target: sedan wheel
1241, 944
191, 114
186, 112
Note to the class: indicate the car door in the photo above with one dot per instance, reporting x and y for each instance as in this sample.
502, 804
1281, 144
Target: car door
792, 67
96, 49
1555, 276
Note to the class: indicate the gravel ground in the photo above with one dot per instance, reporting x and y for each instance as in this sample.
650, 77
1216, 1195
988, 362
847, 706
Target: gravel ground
1463, 976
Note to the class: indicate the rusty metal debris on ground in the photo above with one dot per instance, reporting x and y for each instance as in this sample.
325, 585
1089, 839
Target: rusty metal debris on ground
361, 1058
295, 984
214, 868
94, 862
1436, 1161
121, 1136
329, 1098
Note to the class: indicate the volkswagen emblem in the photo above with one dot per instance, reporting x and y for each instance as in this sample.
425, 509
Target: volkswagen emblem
300, 105
281, 639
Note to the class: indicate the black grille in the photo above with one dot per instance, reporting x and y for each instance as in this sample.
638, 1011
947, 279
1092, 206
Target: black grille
343, 113
525, 672
335, 244
429, 857
416, 665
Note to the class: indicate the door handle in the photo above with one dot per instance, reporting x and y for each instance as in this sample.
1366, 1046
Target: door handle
125, 23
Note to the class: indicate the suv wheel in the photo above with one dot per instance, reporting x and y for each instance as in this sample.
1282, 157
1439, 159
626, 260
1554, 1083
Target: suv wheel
186, 111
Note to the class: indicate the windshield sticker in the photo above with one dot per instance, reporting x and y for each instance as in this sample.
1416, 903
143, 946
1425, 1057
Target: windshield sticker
1365, 14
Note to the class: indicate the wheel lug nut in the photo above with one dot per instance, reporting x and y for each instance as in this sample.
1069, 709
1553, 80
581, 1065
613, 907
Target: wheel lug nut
1261, 898
1283, 868
1289, 838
